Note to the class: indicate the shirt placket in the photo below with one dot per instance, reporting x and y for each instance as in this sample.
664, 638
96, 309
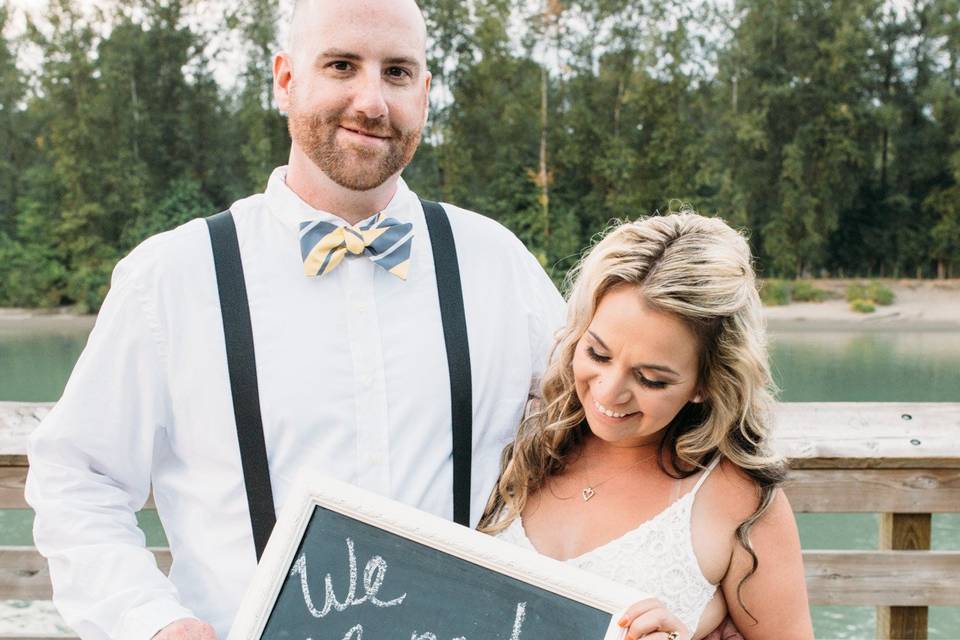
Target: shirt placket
370, 398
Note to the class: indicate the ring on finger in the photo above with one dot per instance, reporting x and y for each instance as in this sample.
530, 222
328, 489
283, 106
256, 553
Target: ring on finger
673, 635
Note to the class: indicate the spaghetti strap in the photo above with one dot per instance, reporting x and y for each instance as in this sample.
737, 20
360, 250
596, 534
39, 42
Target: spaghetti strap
703, 476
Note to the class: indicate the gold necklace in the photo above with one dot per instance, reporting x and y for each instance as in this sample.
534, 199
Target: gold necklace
590, 490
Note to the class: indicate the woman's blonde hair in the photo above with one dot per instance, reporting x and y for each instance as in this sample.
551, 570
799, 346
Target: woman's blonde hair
699, 270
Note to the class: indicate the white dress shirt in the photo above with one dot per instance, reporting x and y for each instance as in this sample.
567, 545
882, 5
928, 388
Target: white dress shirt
353, 380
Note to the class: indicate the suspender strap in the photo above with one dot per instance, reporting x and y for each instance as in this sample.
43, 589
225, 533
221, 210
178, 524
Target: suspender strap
241, 363
458, 354
242, 366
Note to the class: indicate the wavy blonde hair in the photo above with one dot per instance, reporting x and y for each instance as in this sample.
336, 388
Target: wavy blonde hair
699, 270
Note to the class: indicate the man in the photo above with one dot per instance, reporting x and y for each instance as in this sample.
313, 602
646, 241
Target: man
351, 359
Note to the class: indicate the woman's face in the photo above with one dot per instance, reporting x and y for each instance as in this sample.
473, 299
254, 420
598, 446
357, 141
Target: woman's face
634, 369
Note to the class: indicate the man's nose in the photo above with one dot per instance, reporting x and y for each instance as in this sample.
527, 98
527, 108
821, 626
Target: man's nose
368, 98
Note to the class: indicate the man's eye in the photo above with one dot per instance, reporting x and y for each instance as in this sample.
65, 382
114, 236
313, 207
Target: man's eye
397, 72
340, 65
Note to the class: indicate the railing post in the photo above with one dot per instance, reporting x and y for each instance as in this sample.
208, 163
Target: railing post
903, 531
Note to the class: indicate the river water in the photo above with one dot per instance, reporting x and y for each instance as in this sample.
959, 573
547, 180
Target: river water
901, 366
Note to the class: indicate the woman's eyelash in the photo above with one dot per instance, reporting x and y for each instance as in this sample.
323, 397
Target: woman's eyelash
646, 382
596, 356
652, 384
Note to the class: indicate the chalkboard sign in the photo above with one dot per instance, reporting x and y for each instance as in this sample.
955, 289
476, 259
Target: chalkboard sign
345, 564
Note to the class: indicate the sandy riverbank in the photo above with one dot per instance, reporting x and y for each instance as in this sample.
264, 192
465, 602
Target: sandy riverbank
43, 321
920, 305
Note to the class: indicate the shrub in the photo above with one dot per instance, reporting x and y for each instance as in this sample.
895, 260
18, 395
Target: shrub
857, 291
804, 291
874, 293
881, 294
775, 292
862, 306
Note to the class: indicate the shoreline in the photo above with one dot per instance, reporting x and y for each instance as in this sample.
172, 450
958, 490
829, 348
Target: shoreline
920, 305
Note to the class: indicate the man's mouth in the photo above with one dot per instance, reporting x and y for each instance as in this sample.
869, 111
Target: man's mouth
365, 132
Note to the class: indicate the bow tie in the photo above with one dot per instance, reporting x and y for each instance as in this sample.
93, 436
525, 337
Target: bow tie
387, 241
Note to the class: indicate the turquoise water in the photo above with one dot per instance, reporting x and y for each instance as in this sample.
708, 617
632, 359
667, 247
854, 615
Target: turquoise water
911, 366
36, 356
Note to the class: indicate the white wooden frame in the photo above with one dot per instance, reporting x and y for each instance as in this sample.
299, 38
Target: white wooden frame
443, 535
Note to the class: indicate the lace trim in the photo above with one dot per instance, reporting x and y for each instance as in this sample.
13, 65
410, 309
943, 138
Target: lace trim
657, 558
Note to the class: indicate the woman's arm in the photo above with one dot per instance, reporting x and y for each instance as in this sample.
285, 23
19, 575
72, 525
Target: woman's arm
772, 602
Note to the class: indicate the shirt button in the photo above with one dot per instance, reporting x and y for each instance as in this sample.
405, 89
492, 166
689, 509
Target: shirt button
376, 458
366, 380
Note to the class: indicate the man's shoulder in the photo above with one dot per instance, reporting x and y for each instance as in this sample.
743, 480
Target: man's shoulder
179, 250
475, 229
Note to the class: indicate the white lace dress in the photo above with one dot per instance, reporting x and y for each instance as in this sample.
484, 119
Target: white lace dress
657, 558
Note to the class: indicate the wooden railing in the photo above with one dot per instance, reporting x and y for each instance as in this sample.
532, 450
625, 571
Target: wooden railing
899, 460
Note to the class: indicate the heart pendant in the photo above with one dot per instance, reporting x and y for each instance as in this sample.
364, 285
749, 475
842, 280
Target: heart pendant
588, 493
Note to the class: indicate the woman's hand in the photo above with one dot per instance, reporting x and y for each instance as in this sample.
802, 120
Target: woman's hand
649, 619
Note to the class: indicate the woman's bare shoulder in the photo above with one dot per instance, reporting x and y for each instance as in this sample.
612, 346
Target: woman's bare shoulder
730, 491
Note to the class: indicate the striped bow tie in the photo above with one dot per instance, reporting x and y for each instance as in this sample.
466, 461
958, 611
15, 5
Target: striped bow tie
387, 241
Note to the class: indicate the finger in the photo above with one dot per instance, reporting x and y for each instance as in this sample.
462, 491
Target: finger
638, 608
657, 621
647, 623
662, 635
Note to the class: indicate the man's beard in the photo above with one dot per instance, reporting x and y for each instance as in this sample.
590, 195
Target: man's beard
354, 168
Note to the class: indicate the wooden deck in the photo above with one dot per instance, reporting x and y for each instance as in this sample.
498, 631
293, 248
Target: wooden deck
897, 459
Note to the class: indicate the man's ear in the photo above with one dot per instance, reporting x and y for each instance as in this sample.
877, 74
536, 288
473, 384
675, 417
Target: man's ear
426, 104
282, 77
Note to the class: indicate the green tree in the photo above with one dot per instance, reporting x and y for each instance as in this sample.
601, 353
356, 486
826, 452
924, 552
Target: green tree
943, 203
259, 126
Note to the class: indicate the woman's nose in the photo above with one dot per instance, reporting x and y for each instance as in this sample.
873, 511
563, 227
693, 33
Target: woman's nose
612, 390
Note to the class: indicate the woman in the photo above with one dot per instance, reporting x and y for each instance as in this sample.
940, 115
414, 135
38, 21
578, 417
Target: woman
649, 461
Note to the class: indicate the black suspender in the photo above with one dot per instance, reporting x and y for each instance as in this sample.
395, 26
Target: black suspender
458, 354
241, 363
238, 337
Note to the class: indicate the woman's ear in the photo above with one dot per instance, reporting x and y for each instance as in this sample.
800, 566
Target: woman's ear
697, 398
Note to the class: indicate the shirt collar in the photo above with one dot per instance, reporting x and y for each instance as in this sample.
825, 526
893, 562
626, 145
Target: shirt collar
291, 210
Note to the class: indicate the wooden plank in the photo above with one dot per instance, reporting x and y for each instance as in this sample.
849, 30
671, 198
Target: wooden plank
888, 578
856, 578
869, 434
811, 434
910, 531
12, 480
874, 490
24, 574
902, 623
905, 531
809, 490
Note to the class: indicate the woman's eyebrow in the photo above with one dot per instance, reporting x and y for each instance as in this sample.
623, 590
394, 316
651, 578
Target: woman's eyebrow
599, 341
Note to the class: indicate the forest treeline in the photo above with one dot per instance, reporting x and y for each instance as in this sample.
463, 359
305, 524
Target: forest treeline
829, 130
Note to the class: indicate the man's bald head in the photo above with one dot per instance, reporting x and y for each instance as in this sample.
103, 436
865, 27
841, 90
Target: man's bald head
309, 14
355, 87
